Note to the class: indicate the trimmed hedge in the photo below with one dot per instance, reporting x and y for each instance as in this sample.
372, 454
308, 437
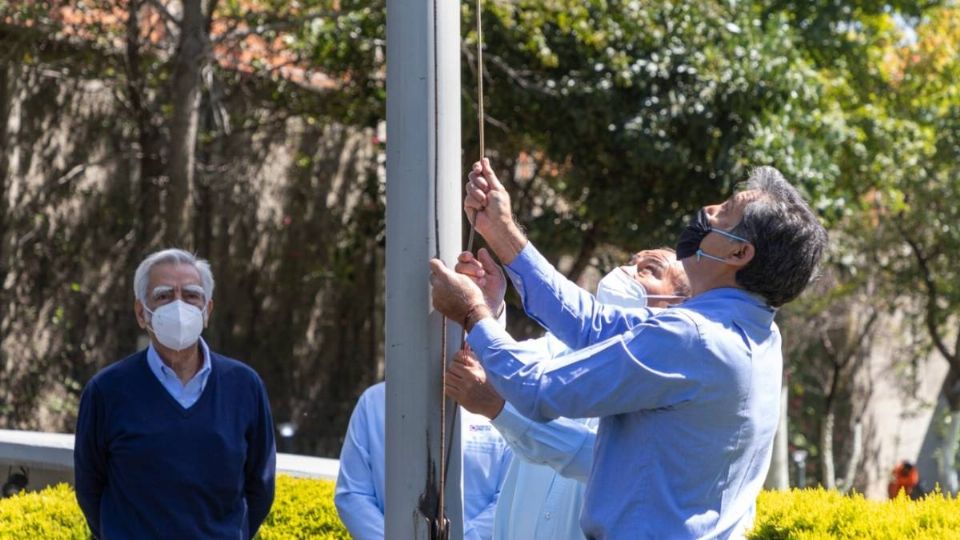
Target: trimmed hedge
815, 514
52, 513
304, 510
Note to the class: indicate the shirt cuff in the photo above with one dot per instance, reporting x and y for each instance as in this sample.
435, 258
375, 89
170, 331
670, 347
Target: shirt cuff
486, 334
527, 263
511, 423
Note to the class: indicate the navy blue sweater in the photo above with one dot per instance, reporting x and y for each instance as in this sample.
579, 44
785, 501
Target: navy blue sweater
148, 468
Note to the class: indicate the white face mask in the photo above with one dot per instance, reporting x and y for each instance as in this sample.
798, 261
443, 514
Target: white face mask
620, 288
177, 325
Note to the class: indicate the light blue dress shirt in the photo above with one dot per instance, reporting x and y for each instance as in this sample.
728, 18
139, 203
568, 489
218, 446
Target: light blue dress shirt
185, 394
688, 399
537, 502
361, 484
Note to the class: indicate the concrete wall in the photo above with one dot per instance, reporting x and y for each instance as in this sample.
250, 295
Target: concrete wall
48, 459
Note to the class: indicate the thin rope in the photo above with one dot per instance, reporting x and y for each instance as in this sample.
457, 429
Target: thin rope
441, 525
480, 112
480, 119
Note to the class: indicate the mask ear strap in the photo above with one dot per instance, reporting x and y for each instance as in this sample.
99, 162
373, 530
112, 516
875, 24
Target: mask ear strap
730, 235
702, 253
150, 322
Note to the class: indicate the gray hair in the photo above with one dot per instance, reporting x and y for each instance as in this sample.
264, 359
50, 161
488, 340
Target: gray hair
141, 278
787, 238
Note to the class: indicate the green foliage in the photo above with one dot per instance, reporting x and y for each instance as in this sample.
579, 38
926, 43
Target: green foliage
52, 513
636, 112
653, 108
815, 514
303, 509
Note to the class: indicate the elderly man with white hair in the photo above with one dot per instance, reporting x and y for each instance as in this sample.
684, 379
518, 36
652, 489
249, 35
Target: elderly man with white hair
175, 441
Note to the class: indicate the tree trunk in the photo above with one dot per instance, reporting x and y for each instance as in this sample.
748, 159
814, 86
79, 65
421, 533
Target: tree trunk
827, 470
151, 167
191, 57
937, 459
855, 458
948, 455
5, 174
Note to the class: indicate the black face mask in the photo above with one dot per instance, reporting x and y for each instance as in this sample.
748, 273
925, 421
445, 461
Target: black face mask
689, 242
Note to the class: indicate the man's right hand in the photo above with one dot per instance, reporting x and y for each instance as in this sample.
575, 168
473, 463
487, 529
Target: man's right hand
487, 206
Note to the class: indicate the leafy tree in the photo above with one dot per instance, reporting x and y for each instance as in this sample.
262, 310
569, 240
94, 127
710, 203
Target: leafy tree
919, 206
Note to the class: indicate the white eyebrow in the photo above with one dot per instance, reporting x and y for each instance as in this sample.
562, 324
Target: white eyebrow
160, 289
196, 289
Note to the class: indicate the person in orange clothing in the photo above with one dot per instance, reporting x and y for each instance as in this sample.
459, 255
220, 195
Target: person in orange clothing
905, 476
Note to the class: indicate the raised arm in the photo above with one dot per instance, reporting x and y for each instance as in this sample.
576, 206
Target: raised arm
652, 366
559, 305
564, 445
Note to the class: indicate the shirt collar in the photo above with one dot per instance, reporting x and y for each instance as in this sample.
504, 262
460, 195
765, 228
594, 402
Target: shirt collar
158, 367
749, 304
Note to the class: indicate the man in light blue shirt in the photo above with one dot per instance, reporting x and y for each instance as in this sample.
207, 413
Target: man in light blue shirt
688, 398
361, 489
543, 492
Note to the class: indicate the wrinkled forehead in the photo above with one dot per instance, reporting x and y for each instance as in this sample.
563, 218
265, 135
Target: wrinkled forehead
659, 256
174, 275
742, 197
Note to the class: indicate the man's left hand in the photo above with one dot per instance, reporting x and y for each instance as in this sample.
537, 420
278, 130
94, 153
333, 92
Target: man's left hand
467, 384
486, 273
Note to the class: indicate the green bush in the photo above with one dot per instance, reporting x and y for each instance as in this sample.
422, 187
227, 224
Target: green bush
815, 514
304, 510
52, 513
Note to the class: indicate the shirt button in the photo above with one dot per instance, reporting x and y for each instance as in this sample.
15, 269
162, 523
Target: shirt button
546, 516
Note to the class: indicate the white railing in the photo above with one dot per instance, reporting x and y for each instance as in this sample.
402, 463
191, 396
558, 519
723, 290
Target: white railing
49, 458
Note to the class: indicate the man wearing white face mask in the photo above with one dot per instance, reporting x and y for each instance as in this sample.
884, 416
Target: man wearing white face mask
542, 495
175, 441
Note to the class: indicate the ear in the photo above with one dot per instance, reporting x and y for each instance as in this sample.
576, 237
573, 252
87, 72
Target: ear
140, 313
742, 255
206, 321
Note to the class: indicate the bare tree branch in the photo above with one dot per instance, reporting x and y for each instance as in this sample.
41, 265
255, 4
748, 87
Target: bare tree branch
932, 311
518, 77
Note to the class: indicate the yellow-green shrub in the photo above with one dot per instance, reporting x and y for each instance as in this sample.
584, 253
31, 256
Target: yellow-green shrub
817, 514
304, 510
51, 513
